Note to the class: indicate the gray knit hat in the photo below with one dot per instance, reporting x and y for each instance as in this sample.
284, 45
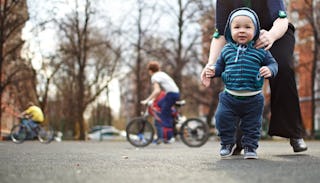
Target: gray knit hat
244, 11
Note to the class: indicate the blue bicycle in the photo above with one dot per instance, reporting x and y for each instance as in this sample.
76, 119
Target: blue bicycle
21, 132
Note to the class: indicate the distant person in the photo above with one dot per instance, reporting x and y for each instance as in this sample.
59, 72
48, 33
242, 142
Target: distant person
32, 116
277, 35
162, 81
242, 69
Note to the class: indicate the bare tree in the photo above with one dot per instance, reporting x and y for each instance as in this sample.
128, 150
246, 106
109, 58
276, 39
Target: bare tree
144, 23
184, 39
138, 62
182, 52
43, 76
89, 62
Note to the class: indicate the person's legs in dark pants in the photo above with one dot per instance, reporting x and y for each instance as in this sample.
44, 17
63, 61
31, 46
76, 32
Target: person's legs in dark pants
226, 119
166, 114
286, 120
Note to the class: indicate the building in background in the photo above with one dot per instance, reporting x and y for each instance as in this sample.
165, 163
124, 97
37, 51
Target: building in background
304, 59
15, 14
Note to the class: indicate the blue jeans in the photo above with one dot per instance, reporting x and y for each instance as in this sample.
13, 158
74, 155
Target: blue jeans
165, 104
249, 110
30, 124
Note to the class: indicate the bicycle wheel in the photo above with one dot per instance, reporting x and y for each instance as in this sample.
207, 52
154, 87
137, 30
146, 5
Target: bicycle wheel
139, 132
194, 132
45, 134
18, 133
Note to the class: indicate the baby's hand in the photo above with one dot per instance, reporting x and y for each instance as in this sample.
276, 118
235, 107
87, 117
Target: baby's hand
265, 72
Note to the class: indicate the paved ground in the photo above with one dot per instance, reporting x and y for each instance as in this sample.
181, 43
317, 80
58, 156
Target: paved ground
120, 162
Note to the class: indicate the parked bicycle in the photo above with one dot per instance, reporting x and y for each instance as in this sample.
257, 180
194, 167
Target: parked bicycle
193, 131
22, 131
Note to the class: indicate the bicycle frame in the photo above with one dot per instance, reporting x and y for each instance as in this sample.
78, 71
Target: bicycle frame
152, 111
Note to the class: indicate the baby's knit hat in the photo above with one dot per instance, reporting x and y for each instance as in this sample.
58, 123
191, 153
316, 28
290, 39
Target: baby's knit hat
244, 11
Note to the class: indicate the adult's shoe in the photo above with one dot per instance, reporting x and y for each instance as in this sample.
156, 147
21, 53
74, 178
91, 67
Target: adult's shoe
298, 145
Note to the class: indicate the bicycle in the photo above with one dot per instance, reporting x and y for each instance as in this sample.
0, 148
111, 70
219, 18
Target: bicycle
192, 131
20, 132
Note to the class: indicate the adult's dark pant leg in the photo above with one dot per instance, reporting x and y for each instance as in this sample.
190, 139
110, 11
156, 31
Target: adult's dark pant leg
286, 120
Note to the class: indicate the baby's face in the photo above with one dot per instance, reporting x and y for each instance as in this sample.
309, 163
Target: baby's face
242, 29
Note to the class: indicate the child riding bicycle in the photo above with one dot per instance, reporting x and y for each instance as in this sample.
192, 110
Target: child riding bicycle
32, 117
163, 82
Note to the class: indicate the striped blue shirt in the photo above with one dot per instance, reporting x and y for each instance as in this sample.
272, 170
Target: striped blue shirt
239, 67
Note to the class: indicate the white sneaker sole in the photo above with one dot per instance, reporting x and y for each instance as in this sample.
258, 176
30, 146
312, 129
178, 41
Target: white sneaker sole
251, 157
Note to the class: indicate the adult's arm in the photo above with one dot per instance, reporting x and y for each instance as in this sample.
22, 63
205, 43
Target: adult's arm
223, 8
215, 50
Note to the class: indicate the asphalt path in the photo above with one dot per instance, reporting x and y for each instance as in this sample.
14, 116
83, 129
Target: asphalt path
118, 161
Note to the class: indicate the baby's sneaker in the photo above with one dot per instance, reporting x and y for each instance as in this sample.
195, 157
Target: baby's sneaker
250, 153
227, 150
